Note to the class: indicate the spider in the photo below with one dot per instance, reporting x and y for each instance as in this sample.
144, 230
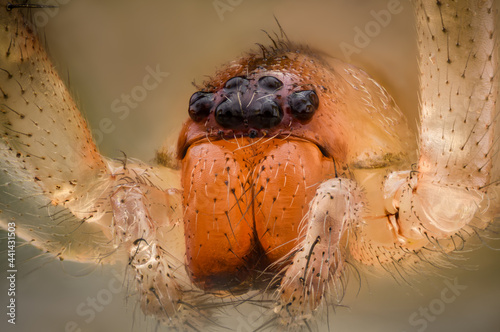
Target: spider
143, 180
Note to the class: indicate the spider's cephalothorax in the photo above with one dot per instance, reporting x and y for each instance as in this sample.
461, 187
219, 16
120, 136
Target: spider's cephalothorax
263, 134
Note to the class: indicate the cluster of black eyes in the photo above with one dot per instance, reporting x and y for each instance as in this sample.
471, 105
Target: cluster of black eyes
244, 106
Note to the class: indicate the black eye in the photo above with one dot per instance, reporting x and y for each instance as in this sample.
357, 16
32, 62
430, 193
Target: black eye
303, 104
265, 115
229, 115
270, 83
237, 83
200, 105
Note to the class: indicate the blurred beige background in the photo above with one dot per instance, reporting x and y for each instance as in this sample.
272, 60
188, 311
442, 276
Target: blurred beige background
104, 47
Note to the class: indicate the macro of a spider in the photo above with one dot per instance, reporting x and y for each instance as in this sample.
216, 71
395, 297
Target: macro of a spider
266, 133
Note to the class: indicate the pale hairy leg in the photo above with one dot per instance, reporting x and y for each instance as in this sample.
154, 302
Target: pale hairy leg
147, 223
49, 161
54, 183
458, 145
317, 267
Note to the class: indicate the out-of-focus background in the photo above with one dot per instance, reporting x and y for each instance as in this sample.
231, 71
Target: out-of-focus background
105, 49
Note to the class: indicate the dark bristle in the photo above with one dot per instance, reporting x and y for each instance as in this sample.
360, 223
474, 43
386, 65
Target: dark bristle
277, 51
11, 6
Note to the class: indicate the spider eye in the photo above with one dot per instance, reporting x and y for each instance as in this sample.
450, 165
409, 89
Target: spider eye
200, 105
237, 84
265, 115
228, 115
303, 104
270, 83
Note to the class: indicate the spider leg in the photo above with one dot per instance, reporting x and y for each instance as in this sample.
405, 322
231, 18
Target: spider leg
455, 185
318, 260
52, 176
148, 228
54, 184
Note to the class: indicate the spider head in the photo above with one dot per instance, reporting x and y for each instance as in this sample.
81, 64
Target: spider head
278, 95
